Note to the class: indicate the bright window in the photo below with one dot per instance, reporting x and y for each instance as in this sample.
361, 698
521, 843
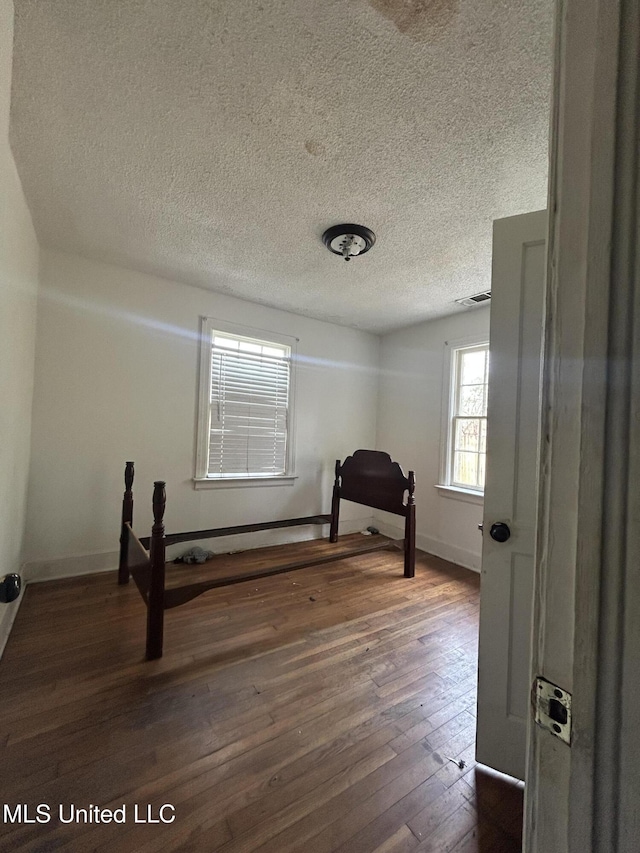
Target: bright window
245, 404
467, 439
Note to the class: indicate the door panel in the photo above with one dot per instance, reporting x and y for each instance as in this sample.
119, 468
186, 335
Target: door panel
517, 291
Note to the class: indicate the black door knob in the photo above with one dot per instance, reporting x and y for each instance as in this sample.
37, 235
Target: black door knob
10, 586
500, 531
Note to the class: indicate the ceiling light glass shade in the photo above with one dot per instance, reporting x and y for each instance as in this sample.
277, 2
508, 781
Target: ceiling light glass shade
348, 240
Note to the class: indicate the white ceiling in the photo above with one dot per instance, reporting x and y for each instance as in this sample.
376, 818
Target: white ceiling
213, 142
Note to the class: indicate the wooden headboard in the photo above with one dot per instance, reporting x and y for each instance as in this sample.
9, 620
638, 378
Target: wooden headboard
370, 477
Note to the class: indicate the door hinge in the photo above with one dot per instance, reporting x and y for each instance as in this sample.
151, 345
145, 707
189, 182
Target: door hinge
552, 708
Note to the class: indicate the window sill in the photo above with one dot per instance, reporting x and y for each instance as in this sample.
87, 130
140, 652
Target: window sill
242, 482
467, 495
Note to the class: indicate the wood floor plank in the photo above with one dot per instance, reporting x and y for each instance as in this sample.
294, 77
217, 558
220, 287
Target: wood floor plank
369, 823
402, 841
428, 819
451, 832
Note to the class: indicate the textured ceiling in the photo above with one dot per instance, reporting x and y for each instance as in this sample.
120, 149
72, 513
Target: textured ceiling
213, 142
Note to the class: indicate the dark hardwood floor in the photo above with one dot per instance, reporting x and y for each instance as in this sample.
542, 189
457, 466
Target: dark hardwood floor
316, 711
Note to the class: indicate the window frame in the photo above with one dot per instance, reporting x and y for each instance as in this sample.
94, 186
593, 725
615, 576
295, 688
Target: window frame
202, 480
450, 386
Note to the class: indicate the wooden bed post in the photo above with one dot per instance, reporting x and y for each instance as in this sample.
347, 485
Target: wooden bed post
127, 518
410, 530
155, 604
335, 505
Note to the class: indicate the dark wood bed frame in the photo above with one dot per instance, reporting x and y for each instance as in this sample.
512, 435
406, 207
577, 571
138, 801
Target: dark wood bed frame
367, 477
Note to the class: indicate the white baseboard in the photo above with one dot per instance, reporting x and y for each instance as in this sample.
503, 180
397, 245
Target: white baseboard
70, 567
8, 614
466, 559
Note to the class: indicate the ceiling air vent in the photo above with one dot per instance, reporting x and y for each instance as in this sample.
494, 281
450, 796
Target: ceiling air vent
476, 299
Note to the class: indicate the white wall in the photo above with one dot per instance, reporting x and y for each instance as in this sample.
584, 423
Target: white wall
116, 379
410, 429
18, 290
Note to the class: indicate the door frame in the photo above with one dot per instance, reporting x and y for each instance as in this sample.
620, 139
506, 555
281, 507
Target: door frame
586, 634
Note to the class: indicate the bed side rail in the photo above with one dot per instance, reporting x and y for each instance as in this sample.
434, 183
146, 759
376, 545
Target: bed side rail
179, 595
138, 562
194, 535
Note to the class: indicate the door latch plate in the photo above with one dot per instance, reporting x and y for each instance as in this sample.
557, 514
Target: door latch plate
552, 707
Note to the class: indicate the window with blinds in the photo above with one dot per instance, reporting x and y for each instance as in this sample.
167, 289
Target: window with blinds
249, 395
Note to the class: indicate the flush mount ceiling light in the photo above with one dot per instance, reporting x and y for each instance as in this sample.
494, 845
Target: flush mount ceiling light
349, 240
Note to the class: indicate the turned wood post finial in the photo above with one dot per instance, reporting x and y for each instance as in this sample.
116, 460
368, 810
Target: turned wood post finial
159, 502
412, 487
337, 470
128, 477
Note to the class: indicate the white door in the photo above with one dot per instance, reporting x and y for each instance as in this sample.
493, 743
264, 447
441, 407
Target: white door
517, 291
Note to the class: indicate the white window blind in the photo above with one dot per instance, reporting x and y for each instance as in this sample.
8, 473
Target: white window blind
249, 407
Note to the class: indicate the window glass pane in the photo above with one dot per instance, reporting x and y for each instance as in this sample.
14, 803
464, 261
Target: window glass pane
473, 367
227, 343
471, 400
465, 468
247, 346
279, 351
483, 436
467, 434
481, 469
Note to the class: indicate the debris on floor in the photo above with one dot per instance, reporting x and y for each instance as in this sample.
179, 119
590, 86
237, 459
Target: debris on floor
195, 555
